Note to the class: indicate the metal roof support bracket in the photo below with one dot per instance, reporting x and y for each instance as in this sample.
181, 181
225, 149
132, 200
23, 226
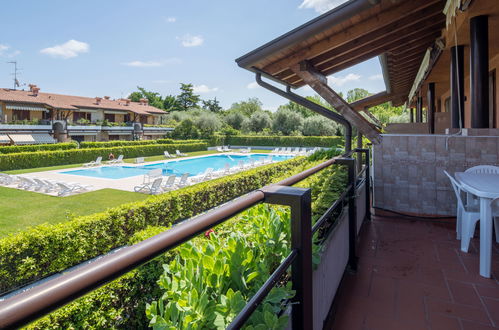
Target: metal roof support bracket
311, 106
318, 82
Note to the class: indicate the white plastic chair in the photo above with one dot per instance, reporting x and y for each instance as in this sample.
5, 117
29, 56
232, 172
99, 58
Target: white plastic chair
118, 160
468, 215
184, 180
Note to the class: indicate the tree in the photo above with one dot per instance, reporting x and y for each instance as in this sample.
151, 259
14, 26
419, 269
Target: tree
318, 125
248, 107
170, 103
186, 130
212, 105
257, 122
187, 99
153, 98
235, 119
287, 122
356, 94
208, 123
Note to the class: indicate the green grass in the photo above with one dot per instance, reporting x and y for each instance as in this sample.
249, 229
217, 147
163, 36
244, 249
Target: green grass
20, 209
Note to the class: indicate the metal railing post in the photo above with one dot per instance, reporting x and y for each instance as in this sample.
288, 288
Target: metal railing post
367, 164
352, 211
299, 199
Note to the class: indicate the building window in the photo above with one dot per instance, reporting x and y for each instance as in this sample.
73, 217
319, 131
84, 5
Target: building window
109, 117
81, 115
20, 115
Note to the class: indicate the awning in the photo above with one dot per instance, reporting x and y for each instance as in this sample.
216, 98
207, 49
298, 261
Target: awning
81, 133
26, 107
4, 139
22, 139
119, 132
116, 112
87, 110
43, 138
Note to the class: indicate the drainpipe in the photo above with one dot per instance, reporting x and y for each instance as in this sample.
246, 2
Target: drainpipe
312, 106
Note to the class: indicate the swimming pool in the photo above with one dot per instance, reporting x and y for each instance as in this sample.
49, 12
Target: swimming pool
193, 166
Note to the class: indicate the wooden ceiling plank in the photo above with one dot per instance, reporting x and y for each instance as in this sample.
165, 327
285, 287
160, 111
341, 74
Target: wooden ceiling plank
385, 18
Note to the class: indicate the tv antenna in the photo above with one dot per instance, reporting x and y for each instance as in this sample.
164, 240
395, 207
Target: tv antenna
16, 70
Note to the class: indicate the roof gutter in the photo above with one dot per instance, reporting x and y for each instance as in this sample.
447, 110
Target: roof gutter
325, 21
312, 106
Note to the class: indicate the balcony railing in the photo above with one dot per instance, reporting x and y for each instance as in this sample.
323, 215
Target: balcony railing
31, 304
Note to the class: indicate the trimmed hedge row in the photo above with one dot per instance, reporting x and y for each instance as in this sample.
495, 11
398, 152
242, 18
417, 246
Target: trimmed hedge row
109, 144
46, 249
75, 156
286, 141
116, 143
37, 147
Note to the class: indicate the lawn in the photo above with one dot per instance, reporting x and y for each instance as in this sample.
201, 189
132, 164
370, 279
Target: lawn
20, 209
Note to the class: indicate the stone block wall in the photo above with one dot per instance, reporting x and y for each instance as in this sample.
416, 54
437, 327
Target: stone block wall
408, 170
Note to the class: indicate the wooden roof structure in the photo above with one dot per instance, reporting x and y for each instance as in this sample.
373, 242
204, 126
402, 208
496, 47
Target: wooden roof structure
398, 31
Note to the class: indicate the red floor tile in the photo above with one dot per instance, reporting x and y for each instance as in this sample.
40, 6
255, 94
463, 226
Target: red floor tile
412, 275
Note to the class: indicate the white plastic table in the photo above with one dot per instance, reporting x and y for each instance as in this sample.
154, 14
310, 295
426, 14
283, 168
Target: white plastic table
486, 187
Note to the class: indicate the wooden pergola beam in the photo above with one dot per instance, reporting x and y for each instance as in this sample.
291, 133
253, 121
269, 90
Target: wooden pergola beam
380, 21
371, 101
318, 82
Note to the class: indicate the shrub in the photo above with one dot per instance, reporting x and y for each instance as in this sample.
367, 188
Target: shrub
257, 122
319, 126
286, 121
37, 147
75, 156
186, 130
286, 141
208, 123
47, 249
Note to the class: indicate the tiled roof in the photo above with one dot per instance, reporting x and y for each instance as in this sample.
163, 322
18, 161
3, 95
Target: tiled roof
69, 102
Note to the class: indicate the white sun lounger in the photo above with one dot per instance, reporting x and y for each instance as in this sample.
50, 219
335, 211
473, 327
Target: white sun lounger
180, 154
7, 179
66, 189
169, 183
167, 154
139, 160
118, 160
184, 180
150, 188
224, 171
226, 148
96, 162
206, 175
220, 149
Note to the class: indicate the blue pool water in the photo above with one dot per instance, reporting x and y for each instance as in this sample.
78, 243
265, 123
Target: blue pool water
193, 166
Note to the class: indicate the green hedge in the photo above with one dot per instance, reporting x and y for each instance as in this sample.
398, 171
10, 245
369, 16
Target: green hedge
109, 144
286, 141
47, 249
117, 143
37, 147
76, 156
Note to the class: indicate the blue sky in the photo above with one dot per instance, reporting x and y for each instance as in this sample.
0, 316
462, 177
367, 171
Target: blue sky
96, 48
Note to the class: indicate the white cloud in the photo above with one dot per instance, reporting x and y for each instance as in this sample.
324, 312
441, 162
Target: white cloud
376, 77
253, 85
340, 81
151, 64
189, 40
171, 19
69, 49
203, 89
321, 6
3, 49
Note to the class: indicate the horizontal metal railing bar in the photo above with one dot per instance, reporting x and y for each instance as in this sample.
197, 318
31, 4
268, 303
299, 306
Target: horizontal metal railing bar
48, 296
262, 293
329, 212
31, 304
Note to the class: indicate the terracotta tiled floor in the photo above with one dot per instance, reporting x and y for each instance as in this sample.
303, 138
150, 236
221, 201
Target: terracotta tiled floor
412, 275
